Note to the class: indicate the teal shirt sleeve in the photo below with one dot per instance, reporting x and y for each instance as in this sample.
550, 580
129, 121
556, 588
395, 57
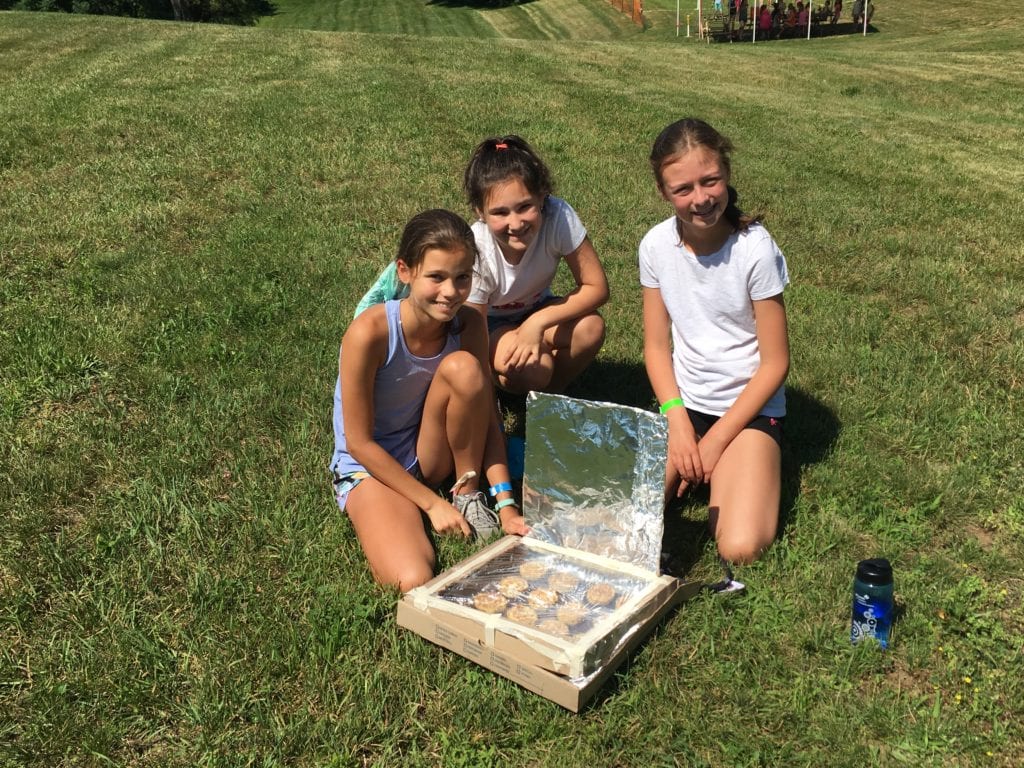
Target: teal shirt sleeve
386, 287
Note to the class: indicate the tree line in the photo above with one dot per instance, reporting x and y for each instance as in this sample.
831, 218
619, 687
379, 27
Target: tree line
218, 11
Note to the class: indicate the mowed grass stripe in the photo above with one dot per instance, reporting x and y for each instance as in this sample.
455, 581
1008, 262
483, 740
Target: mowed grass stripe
581, 19
539, 19
376, 16
548, 20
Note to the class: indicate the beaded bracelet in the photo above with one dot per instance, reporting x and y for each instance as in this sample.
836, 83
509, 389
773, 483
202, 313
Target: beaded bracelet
499, 488
505, 503
668, 405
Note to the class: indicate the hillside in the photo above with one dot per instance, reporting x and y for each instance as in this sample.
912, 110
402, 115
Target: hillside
532, 20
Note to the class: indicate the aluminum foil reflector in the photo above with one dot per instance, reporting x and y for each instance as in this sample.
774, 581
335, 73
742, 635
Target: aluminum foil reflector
594, 477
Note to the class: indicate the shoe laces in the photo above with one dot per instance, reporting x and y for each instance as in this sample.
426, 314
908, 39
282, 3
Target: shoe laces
482, 518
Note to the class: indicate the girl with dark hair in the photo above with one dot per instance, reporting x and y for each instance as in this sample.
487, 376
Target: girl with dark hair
412, 385
538, 341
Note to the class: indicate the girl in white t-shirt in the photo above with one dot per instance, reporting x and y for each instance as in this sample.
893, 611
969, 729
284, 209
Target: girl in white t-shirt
538, 341
715, 340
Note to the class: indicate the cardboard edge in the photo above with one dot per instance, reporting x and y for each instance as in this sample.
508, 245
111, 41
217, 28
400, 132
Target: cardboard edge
561, 690
528, 645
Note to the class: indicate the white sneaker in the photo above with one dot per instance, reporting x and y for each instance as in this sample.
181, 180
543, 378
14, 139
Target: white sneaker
482, 519
726, 586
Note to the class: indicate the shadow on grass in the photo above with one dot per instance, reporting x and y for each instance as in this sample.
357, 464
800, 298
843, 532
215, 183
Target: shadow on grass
615, 382
616, 682
619, 681
269, 9
811, 429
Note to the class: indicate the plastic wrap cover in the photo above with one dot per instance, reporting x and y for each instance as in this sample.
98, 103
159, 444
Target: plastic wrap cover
594, 477
579, 607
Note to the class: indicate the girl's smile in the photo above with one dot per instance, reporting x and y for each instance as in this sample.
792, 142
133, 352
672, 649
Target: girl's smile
697, 186
440, 284
514, 216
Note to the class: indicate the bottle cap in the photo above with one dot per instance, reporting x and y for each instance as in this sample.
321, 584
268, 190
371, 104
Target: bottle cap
875, 571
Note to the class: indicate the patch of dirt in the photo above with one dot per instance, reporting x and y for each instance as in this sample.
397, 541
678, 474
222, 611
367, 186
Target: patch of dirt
983, 536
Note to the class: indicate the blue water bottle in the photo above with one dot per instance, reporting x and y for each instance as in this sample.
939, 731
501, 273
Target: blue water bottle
872, 601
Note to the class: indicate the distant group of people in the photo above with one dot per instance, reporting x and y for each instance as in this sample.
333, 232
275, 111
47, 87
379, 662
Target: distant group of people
787, 20
860, 10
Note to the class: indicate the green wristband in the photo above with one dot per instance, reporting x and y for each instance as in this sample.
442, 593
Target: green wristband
505, 503
675, 402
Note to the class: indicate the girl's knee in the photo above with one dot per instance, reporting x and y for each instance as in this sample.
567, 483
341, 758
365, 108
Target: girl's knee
412, 578
741, 549
413, 574
531, 377
463, 371
590, 331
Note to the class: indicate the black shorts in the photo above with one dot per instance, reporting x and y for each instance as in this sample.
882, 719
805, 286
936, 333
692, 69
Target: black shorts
770, 425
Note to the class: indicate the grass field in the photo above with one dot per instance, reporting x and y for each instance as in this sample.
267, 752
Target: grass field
590, 19
188, 215
533, 20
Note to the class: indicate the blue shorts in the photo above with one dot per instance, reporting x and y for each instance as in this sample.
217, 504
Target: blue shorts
344, 483
770, 425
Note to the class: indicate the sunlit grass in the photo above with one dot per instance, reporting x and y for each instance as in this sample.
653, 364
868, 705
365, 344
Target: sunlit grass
188, 216
532, 20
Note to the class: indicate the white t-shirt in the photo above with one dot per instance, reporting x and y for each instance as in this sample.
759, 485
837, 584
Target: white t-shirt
510, 289
708, 298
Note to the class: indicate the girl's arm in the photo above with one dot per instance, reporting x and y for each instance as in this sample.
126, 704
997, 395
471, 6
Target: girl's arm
591, 292
364, 351
683, 454
773, 346
495, 460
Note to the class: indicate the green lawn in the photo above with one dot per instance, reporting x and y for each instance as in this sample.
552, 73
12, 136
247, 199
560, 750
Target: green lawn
188, 215
533, 20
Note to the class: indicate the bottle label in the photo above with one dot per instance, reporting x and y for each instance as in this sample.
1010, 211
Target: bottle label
871, 618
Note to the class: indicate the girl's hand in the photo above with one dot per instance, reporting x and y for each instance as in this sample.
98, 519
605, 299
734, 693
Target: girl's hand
527, 345
513, 522
711, 450
444, 518
683, 450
